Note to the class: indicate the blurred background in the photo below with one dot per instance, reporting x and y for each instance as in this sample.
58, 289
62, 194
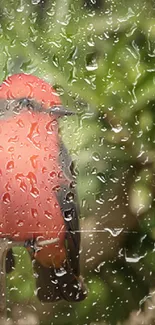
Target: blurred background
100, 57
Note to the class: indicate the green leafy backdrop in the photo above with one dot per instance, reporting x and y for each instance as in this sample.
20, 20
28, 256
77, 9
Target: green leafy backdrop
100, 56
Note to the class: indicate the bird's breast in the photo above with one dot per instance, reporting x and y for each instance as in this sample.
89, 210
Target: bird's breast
30, 177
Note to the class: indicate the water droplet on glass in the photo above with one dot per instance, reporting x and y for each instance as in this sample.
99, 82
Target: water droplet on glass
115, 231
72, 184
91, 42
73, 169
10, 165
13, 139
48, 215
33, 160
60, 272
34, 212
1, 112
96, 156
21, 8
49, 128
101, 177
55, 60
33, 134
68, 214
117, 129
8, 187
38, 224
6, 198
34, 192
32, 178
20, 123
20, 223
44, 170
98, 268
93, 66
56, 188
10, 149
23, 186
135, 258
53, 174
69, 196
35, 2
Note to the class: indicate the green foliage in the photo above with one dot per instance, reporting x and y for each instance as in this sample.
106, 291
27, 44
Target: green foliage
101, 62
21, 282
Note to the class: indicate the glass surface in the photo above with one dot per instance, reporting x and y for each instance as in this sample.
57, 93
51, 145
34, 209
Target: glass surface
99, 56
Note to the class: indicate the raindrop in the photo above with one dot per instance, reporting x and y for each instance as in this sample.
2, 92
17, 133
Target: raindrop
20, 223
59, 90
68, 214
56, 188
70, 197
96, 156
17, 109
134, 259
34, 192
10, 165
91, 42
6, 198
33, 160
19, 176
49, 200
34, 213
114, 180
33, 133
14, 139
44, 170
60, 272
83, 203
117, 129
49, 127
32, 178
101, 177
35, 2
48, 215
72, 184
21, 8
99, 267
60, 174
53, 174
1, 112
55, 61
20, 123
73, 169
23, 186
115, 231
94, 171
38, 224
8, 187
93, 66
10, 149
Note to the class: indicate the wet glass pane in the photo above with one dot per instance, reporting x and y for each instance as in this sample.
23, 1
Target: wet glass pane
77, 157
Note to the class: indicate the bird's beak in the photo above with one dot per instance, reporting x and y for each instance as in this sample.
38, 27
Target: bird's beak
60, 111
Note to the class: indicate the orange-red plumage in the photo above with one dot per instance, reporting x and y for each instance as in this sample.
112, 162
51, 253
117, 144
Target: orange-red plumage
34, 184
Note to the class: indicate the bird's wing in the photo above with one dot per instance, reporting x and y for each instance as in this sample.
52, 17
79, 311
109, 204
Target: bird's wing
67, 198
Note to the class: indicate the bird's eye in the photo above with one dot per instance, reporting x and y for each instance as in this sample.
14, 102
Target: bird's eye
31, 104
24, 101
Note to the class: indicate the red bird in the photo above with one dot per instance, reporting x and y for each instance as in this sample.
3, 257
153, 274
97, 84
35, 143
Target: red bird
38, 199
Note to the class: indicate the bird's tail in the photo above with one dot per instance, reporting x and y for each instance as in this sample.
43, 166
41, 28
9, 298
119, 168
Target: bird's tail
54, 285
